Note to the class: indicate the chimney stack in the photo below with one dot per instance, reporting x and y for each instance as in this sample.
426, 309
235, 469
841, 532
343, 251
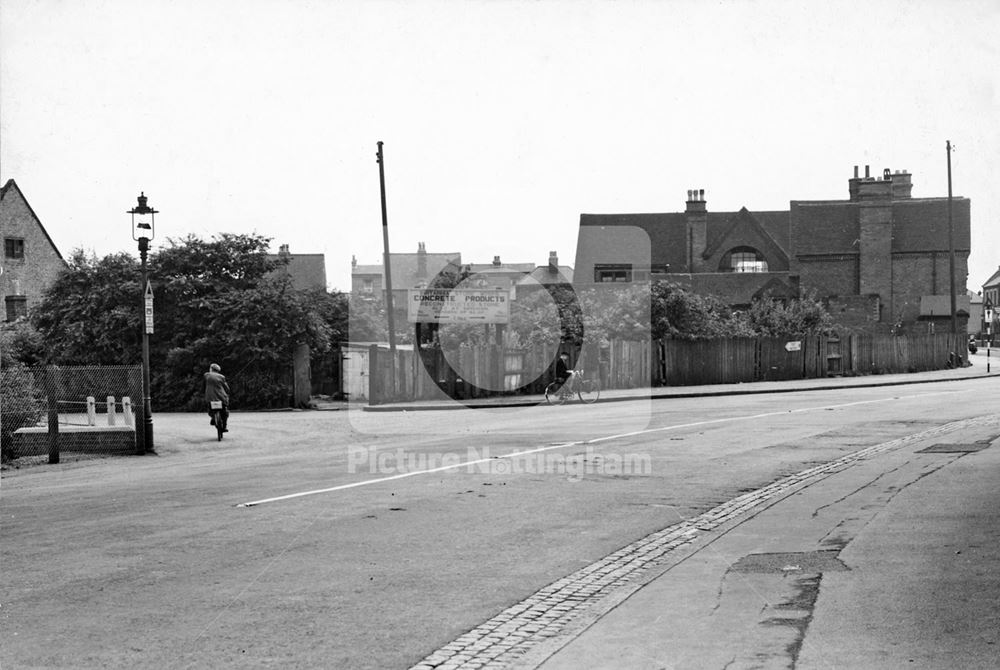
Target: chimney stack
421, 260
696, 200
496, 261
553, 261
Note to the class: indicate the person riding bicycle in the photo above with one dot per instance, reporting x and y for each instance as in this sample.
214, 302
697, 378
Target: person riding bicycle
564, 373
216, 389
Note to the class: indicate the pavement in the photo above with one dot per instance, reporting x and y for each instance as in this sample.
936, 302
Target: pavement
888, 557
890, 563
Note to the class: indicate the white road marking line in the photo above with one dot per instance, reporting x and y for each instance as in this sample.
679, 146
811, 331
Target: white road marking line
563, 445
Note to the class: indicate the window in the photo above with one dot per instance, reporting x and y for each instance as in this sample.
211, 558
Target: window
13, 247
17, 307
743, 259
367, 286
612, 273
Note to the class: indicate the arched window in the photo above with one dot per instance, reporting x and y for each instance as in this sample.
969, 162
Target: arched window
743, 259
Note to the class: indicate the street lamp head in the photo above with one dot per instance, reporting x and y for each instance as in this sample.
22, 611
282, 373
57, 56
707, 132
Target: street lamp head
143, 219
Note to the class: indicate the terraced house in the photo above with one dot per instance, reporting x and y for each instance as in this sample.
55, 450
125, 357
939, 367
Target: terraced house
879, 259
31, 261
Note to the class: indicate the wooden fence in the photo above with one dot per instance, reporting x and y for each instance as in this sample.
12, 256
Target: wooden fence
476, 372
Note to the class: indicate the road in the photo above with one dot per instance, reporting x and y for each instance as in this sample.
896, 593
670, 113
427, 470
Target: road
343, 540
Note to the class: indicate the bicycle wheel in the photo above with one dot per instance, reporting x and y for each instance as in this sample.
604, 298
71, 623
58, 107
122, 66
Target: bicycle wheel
588, 390
554, 394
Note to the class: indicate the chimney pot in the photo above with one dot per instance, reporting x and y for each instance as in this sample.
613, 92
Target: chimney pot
701, 194
867, 173
855, 171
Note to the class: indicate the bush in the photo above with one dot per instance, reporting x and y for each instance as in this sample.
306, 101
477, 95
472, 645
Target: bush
21, 405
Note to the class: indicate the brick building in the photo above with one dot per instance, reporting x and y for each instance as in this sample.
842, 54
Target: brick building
991, 306
305, 270
418, 270
409, 270
31, 261
879, 259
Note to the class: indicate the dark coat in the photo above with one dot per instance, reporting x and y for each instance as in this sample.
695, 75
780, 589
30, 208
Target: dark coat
216, 387
562, 370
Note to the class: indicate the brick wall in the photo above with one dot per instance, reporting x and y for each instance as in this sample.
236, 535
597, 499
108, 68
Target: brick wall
834, 275
858, 313
875, 263
42, 263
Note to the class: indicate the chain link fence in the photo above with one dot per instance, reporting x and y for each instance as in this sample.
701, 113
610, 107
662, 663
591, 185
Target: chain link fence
54, 410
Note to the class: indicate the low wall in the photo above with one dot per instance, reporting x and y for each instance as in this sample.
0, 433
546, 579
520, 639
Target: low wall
111, 440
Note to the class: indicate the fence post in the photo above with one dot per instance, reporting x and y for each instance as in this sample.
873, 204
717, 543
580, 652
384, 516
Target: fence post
111, 410
374, 375
91, 411
51, 388
127, 410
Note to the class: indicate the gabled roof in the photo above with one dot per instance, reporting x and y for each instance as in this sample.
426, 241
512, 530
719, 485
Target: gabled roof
544, 274
824, 227
305, 270
918, 225
668, 231
12, 185
993, 280
735, 233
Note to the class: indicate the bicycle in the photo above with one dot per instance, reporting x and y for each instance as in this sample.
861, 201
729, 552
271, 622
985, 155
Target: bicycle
588, 390
215, 409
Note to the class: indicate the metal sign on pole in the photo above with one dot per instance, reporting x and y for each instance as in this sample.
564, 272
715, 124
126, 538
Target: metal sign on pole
149, 308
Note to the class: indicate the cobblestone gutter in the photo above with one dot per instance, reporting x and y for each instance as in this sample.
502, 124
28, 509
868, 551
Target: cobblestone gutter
508, 636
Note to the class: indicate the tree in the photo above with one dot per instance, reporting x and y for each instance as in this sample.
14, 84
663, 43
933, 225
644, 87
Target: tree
20, 343
678, 313
91, 313
22, 405
768, 317
216, 300
535, 320
367, 321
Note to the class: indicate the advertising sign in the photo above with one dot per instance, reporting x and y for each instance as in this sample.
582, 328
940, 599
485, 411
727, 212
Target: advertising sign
455, 305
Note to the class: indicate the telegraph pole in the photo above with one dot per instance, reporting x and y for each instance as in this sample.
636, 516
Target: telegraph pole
385, 255
951, 247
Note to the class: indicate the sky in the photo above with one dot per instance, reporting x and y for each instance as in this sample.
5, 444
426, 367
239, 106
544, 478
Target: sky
502, 121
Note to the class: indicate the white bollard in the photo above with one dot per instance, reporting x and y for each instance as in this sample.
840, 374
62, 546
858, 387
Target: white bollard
127, 409
111, 410
91, 411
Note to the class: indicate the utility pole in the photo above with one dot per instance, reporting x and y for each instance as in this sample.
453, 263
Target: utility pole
951, 247
385, 255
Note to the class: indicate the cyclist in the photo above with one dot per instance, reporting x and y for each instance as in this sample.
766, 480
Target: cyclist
216, 388
565, 374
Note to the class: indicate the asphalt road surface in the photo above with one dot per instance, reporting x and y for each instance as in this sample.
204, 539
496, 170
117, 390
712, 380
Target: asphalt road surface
351, 539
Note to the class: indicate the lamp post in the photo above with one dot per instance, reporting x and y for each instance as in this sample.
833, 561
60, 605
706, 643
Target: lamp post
951, 246
143, 231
